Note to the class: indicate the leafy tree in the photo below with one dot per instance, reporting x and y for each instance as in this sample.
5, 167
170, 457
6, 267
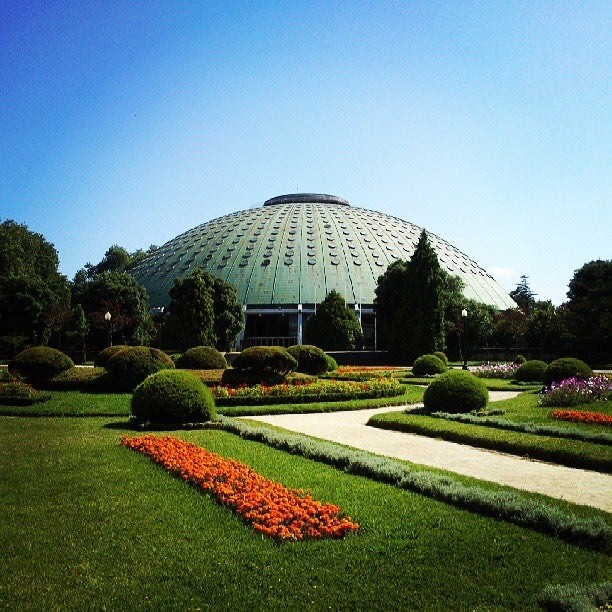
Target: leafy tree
191, 318
126, 300
203, 311
388, 297
116, 259
34, 296
334, 326
414, 319
510, 328
545, 329
26, 254
80, 325
228, 314
523, 295
469, 333
589, 308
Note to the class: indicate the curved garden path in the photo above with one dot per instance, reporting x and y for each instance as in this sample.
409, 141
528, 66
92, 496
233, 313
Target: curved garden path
349, 428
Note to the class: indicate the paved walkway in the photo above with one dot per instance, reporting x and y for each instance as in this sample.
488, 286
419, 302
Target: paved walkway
349, 428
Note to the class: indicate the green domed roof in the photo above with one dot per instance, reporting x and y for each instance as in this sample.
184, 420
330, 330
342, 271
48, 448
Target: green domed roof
296, 248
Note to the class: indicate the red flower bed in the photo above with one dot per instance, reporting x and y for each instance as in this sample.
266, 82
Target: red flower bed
269, 507
582, 417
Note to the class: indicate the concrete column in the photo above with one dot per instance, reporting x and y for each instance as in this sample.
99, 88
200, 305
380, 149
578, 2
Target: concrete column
299, 324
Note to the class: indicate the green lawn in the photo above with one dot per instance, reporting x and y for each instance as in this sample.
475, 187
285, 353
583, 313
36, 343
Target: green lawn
493, 384
88, 524
79, 404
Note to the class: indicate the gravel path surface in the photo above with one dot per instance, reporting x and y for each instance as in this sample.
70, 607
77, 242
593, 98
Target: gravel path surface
349, 428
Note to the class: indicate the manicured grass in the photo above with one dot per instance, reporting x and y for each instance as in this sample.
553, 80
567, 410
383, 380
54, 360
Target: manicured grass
131, 536
77, 404
523, 409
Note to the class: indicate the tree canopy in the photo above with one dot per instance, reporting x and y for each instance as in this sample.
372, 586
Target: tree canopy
410, 301
334, 326
589, 308
127, 302
203, 311
34, 296
116, 259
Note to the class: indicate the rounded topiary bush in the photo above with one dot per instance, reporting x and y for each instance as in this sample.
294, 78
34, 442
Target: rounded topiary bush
131, 365
426, 365
173, 396
103, 357
310, 359
519, 360
332, 364
201, 358
456, 391
531, 371
442, 357
267, 364
39, 363
566, 367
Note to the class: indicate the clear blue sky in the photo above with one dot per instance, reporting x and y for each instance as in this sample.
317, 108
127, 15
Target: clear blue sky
486, 123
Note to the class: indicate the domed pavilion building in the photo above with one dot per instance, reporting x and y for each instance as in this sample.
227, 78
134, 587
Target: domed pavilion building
285, 256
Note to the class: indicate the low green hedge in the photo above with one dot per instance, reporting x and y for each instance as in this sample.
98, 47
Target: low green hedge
576, 597
315, 392
201, 358
566, 367
172, 396
573, 453
39, 363
504, 505
532, 428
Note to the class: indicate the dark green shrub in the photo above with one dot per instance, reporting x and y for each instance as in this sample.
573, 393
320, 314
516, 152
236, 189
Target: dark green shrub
531, 371
103, 357
266, 364
566, 367
456, 391
332, 364
133, 364
175, 356
427, 365
442, 357
40, 363
519, 360
310, 359
201, 358
173, 396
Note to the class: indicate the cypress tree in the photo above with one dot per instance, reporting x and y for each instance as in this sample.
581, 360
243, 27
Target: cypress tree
417, 322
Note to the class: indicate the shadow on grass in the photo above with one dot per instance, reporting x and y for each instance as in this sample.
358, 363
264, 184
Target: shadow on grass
140, 427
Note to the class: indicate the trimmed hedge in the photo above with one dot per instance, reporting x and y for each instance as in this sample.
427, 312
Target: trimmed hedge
576, 597
40, 363
332, 364
531, 371
103, 357
566, 367
442, 357
201, 358
261, 364
173, 396
310, 359
427, 365
133, 364
456, 391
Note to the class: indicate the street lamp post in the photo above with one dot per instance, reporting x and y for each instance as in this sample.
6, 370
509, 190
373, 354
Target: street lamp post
107, 317
464, 314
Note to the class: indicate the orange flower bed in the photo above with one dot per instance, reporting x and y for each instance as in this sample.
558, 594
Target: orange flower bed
582, 417
269, 507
